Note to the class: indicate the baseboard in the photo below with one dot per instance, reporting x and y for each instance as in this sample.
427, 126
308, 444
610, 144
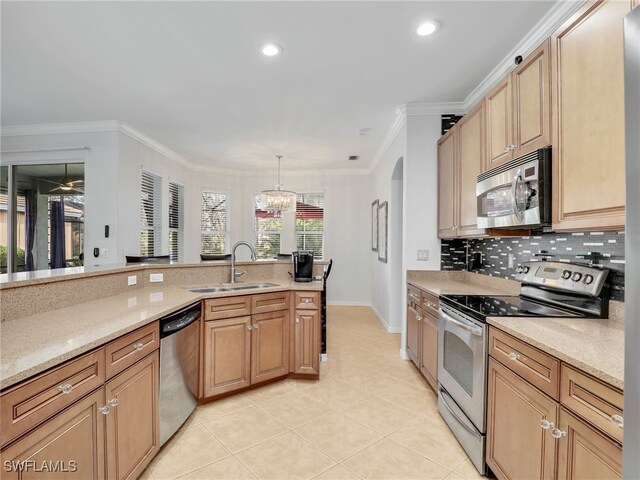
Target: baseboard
349, 304
384, 323
403, 354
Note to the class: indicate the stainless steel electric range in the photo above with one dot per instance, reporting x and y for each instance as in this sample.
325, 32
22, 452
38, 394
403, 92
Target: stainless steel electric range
549, 289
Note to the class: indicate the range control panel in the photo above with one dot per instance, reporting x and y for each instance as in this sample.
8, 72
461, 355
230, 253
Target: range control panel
563, 276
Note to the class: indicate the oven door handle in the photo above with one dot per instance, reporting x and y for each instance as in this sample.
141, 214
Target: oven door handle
443, 396
514, 187
473, 329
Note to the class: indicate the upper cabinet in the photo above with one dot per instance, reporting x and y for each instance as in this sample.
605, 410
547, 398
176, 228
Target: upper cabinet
588, 109
499, 124
446, 189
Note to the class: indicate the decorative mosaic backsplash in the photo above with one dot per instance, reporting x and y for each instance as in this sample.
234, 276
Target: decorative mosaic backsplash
563, 247
448, 121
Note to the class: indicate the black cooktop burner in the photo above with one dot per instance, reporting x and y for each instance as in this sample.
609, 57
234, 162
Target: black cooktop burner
481, 306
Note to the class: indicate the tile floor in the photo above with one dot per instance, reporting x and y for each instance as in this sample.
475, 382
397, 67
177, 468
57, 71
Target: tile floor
370, 416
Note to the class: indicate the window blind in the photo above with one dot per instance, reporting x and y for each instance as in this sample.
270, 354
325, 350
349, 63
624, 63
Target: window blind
268, 229
310, 223
150, 216
176, 221
214, 220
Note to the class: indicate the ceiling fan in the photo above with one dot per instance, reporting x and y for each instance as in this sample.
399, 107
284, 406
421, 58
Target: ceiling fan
66, 186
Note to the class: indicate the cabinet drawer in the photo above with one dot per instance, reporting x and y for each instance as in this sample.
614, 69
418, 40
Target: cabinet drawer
128, 349
306, 300
413, 295
538, 368
430, 303
29, 403
269, 302
227, 307
594, 401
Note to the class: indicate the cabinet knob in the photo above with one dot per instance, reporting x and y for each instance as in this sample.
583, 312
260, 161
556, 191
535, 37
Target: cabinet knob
418, 317
557, 433
138, 346
514, 356
306, 300
255, 326
618, 420
113, 402
546, 424
65, 389
297, 320
104, 410
249, 326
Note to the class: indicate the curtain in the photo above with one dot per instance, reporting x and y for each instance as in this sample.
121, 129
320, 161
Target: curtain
57, 234
31, 213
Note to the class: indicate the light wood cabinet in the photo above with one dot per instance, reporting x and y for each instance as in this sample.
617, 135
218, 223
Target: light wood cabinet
446, 185
499, 111
413, 335
422, 333
429, 349
306, 333
588, 114
517, 445
269, 346
74, 435
227, 355
586, 453
132, 425
130, 348
531, 84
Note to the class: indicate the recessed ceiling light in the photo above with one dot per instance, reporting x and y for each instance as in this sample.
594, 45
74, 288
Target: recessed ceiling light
271, 49
427, 28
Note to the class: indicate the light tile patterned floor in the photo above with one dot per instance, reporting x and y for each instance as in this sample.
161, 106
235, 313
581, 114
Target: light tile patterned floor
370, 416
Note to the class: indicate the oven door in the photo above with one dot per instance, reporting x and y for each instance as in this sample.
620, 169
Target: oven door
462, 363
510, 198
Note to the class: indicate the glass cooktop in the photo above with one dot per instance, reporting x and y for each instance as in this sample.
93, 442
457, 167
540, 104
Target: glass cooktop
481, 306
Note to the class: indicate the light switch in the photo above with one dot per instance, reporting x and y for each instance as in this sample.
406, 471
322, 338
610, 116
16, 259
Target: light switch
423, 255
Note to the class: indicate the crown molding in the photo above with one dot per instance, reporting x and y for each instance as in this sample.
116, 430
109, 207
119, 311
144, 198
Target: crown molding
436, 108
398, 123
59, 128
548, 24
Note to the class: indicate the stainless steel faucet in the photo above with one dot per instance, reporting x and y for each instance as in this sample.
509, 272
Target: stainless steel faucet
235, 274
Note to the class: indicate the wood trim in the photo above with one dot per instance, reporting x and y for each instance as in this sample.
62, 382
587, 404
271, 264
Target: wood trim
31, 402
227, 307
538, 368
270, 302
125, 351
593, 400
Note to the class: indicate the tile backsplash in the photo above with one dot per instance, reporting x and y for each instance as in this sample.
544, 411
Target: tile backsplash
564, 247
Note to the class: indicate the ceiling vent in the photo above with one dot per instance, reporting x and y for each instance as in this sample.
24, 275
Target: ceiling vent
354, 157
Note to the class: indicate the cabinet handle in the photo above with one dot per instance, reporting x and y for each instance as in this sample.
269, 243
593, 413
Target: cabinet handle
113, 402
249, 326
413, 295
104, 410
138, 346
618, 420
514, 356
512, 147
297, 320
306, 300
418, 318
506, 149
65, 389
546, 424
255, 325
557, 433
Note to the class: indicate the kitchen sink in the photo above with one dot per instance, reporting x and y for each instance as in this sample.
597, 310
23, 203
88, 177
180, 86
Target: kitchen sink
232, 287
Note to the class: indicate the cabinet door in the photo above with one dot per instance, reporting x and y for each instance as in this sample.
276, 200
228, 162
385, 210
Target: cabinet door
531, 82
517, 445
70, 445
584, 452
446, 186
471, 159
269, 346
500, 146
588, 96
429, 350
133, 436
413, 335
227, 355
306, 342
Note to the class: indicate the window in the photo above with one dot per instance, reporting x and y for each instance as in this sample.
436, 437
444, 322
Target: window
268, 228
150, 217
214, 219
176, 221
310, 223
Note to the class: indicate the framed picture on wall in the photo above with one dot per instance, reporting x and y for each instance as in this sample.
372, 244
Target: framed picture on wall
374, 226
383, 212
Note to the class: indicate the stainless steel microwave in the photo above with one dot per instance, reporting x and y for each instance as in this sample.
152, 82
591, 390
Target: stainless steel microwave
517, 193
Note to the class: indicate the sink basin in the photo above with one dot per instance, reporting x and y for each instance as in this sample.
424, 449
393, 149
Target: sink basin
232, 287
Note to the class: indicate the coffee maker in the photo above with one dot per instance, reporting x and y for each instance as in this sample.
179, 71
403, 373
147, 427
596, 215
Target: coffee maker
302, 266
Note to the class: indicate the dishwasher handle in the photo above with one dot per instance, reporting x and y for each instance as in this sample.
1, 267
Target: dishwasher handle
174, 323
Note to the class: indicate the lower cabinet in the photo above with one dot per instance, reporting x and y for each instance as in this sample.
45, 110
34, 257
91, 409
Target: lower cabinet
422, 335
413, 334
269, 346
110, 433
306, 342
429, 349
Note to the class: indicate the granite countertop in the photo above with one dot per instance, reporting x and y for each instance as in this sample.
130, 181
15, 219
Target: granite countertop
456, 287
461, 283
32, 344
593, 345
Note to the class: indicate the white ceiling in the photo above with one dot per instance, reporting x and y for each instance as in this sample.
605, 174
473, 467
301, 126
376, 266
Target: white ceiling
191, 75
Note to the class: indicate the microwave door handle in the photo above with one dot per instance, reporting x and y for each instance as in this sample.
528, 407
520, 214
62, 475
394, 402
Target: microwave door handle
514, 187
473, 329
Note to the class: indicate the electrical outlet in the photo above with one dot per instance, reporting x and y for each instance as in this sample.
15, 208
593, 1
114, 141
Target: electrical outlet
132, 280
423, 255
156, 277
512, 260
104, 252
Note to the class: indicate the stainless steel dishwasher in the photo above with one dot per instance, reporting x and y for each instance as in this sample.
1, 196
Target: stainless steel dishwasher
179, 356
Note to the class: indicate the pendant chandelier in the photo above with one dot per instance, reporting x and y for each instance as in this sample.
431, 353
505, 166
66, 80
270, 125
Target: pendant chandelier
278, 200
